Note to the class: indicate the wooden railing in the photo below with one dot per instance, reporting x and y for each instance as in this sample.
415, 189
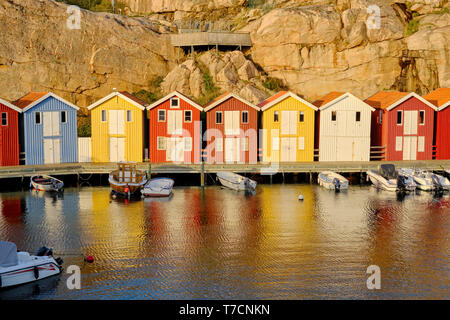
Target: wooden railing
378, 153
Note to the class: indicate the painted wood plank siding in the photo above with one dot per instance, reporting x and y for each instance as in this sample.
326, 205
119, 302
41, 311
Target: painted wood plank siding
191, 129
84, 149
443, 134
9, 138
249, 130
273, 130
133, 133
345, 139
34, 133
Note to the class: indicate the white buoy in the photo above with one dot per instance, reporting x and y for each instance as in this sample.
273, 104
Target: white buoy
300, 197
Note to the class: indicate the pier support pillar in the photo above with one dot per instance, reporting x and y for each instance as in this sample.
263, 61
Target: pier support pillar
202, 175
271, 177
310, 177
149, 173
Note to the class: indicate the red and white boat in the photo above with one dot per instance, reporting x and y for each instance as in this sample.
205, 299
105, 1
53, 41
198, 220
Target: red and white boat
19, 267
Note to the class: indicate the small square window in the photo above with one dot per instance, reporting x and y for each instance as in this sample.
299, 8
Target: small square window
358, 116
4, 118
161, 143
244, 116
129, 115
103, 115
219, 117
275, 116
174, 103
422, 117
188, 116
63, 117
302, 116
37, 118
399, 117
333, 116
161, 115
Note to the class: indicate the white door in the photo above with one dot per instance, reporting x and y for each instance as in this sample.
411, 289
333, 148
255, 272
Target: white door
174, 121
116, 149
116, 122
175, 149
345, 149
232, 122
288, 149
52, 151
51, 123
232, 150
409, 148
411, 120
342, 118
289, 122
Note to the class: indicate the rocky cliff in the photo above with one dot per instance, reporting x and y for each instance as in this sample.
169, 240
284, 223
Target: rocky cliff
309, 46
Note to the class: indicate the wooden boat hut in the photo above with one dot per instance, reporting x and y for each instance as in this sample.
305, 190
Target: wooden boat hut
403, 123
441, 99
9, 134
343, 127
232, 130
117, 132
288, 128
48, 128
175, 129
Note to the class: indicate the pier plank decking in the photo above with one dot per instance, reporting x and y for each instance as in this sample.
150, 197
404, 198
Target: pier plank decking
259, 168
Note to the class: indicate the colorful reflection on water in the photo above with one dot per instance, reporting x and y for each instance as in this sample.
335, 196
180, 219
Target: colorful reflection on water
217, 243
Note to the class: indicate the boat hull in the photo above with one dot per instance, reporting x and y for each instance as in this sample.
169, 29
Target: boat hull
326, 180
159, 187
236, 182
381, 183
57, 186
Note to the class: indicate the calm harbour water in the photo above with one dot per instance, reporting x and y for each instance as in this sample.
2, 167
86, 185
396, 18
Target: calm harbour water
220, 244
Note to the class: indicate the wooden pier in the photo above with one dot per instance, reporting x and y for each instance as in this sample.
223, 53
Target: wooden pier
204, 168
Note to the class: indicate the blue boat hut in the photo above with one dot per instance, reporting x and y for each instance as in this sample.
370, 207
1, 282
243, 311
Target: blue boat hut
48, 129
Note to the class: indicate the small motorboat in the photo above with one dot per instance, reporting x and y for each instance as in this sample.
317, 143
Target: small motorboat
332, 180
422, 179
441, 183
387, 178
158, 187
127, 181
19, 267
235, 181
46, 183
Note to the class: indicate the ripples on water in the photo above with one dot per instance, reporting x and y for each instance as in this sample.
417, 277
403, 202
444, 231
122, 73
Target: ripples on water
218, 243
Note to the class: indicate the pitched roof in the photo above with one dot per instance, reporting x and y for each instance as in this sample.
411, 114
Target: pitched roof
280, 96
124, 95
31, 99
179, 95
28, 99
439, 97
223, 97
327, 98
10, 105
272, 98
384, 99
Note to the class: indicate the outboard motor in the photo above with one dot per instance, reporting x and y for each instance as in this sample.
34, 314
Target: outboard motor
337, 184
436, 182
44, 251
402, 183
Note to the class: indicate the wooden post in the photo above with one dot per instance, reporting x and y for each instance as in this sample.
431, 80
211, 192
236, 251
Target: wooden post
149, 170
310, 177
271, 178
202, 175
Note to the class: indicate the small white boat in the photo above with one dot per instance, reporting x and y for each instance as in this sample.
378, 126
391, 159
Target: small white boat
387, 178
332, 180
46, 183
235, 181
422, 179
440, 182
20, 267
158, 187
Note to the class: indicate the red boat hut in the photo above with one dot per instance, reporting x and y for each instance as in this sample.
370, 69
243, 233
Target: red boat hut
232, 130
403, 123
175, 129
441, 99
9, 131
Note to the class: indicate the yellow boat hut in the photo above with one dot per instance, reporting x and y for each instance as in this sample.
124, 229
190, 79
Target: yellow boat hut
117, 128
288, 128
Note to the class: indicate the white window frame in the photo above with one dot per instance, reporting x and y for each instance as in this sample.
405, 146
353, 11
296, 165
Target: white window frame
242, 117
335, 116
185, 112
424, 113
300, 114
356, 116
164, 142
421, 143
278, 116
401, 118
399, 143
221, 117
301, 143
217, 144
103, 112
178, 103
65, 116
130, 112
165, 118
6, 117
186, 139
275, 142
40, 118
244, 144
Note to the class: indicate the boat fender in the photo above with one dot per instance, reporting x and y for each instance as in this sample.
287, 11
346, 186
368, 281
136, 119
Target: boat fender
36, 272
300, 197
89, 259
